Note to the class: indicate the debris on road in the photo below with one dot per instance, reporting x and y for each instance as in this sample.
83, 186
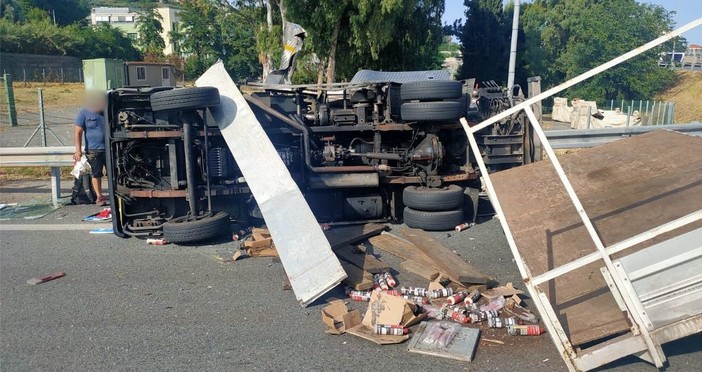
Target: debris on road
105, 215
384, 309
445, 340
156, 241
261, 244
105, 230
45, 278
449, 263
338, 318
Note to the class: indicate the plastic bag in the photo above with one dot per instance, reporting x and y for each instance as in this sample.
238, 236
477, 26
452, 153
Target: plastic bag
440, 334
81, 168
496, 303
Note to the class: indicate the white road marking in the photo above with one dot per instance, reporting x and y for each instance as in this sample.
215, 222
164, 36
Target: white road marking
51, 227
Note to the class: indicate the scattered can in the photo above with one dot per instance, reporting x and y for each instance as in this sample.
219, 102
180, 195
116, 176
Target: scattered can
443, 292
152, 241
472, 298
457, 298
460, 317
501, 322
414, 291
242, 233
463, 226
525, 330
390, 280
380, 281
387, 329
416, 299
360, 295
482, 316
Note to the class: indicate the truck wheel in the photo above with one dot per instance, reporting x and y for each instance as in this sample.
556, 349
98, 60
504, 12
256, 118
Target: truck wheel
179, 230
433, 199
431, 90
433, 221
431, 111
185, 99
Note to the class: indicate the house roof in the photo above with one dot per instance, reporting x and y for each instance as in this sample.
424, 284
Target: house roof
145, 63
694, 46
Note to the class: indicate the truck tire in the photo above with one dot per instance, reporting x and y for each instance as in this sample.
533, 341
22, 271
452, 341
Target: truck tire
185, 99
179, 230
432, 111
431, 90
433, 199
433, 221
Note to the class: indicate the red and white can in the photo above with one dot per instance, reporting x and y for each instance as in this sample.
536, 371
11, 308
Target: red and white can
390, 280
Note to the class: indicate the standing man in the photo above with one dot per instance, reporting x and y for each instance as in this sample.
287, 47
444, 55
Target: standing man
91, 123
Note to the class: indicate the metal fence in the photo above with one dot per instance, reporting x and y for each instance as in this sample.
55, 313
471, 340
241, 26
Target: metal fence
35, 123
45, 74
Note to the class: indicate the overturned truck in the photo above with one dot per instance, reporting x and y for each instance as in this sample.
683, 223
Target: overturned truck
386, 146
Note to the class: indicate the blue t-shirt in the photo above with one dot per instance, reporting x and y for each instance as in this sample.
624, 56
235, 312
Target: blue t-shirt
94, 126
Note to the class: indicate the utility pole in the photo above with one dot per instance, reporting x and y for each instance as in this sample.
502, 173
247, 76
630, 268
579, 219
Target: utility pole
513, 48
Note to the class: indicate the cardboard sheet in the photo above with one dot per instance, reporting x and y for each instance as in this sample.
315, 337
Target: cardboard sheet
304, 251
386, 309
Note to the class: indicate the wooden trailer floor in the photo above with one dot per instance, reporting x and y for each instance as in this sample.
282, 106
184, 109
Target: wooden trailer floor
627, 187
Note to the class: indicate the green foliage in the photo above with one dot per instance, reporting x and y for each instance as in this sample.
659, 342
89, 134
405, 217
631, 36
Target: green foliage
567, 38
150, 28
64, 11
42, 36
391, 35
210, 31
485, 40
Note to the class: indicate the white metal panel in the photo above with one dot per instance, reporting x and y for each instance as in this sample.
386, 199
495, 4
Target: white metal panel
667, 278
312, 267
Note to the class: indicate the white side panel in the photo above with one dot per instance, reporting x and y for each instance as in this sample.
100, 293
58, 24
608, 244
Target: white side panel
312, 267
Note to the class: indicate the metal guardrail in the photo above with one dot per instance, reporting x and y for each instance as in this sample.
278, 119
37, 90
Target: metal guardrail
54, 157
579, 138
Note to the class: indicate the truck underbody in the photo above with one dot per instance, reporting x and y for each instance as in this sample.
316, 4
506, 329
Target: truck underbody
363, 151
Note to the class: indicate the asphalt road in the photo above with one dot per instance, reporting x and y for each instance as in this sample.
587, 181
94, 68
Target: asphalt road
125, 305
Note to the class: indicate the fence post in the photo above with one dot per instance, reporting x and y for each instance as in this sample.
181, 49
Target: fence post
24, 76
628, 116
611, 106
61, 75
589, 116
672, 113
11, 111
621, 108
42, 124
43, 75
640, 104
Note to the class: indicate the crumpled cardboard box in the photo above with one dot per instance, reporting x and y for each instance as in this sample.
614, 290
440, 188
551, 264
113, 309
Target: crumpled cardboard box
386, 309
338, 318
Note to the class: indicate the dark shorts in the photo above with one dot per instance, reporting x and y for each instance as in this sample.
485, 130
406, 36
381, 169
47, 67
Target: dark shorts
96, 159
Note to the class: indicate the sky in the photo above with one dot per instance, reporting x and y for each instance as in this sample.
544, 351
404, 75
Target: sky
687, 11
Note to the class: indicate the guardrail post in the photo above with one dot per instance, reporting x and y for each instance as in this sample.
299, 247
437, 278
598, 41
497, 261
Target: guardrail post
10, 95
55, 185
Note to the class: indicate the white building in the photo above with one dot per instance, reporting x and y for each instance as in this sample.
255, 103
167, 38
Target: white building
127, 20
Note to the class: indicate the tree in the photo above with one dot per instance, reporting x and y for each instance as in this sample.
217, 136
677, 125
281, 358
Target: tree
347, 35
484, 41
567, 38
150, 28
64, 12
42, 36
211, 30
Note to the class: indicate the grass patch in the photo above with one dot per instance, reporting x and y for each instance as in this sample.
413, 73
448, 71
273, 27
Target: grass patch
55, 96
31, 173
687, 95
